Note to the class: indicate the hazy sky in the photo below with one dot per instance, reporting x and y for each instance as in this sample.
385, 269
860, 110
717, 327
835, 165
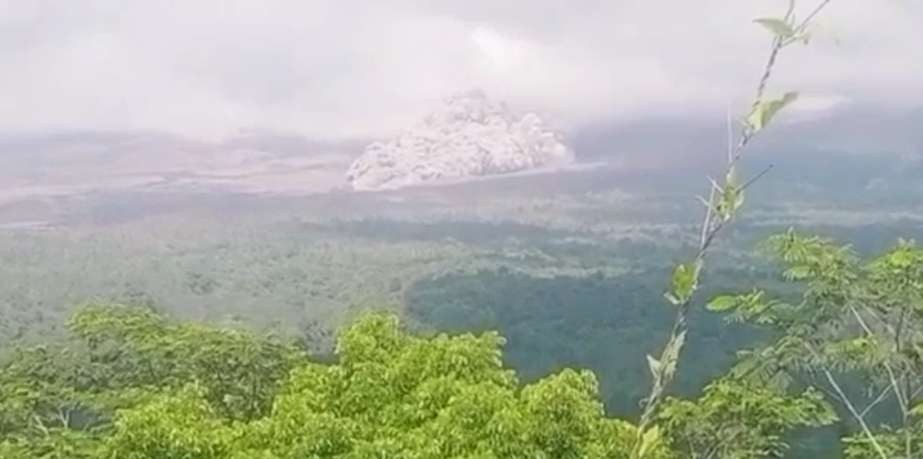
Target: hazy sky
342, 68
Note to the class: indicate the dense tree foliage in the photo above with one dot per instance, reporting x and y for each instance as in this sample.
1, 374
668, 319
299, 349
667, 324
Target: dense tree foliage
842, 344
740, 420
290, 277
66, 395
856, 334
133, 384
598, 322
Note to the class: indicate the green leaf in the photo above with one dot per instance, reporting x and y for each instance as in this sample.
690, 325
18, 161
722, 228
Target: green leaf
764, 111
671, 354
777, 26
732, 198
683, 284
650, 441
722, 303
732, 178
799, 272
654, 365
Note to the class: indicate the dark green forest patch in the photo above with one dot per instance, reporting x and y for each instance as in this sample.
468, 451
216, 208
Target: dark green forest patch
599, 323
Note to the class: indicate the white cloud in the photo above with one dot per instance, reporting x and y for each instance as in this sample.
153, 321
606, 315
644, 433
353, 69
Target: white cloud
342, 68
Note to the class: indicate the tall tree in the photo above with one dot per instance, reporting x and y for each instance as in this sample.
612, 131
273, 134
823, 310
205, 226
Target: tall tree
856, 334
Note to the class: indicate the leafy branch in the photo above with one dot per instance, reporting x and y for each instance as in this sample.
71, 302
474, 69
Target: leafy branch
857, 326
726, 197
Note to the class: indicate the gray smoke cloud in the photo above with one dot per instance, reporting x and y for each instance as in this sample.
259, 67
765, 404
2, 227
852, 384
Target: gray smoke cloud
333, 69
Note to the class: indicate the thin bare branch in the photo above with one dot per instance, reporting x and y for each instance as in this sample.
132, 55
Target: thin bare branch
916, 393
791, 10
706, 225
858, 417
756, 177
892, 378
807, 20
847, 403
882, 396
801, 27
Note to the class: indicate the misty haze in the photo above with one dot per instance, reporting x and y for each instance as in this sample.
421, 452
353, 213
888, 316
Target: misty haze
461, 229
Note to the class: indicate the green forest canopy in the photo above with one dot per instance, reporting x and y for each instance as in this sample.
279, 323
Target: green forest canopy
134, 385
131, 383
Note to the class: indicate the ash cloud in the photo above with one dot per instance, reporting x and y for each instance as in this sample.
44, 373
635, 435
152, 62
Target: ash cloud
335, 69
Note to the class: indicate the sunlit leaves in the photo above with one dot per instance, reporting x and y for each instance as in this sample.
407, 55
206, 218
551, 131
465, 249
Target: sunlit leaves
723, 303
45, 407
900, 272
671, 354
434, 398
779, 27
175, 426
663, 370
785, 31
903, 257
894, 443
651, 441
765, 110
732, 198
238, 371
391, 394
821, 262
14, 450
855, 353
726, 197
797, 273
740, 420
683, 283
654, 365
61, 401
856, 322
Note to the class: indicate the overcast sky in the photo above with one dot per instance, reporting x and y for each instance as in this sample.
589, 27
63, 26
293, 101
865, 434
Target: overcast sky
345, 68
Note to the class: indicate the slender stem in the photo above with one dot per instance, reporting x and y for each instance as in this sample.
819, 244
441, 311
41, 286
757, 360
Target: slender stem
908, 441
881, 396
852, 409
800, 28
908, 434
709, 230
40, 425
807, 20
891, 376
899, 330
764, 81
64, 417
708, 233
916, 392
791, 10
706, 225
714, 449
846, 402
903, 398
881, 321
756, 177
